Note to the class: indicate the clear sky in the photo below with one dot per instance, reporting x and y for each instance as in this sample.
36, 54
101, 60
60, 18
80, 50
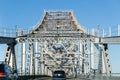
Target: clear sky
89, 13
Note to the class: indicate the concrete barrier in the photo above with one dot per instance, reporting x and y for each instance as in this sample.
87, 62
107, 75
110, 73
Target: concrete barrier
31, 77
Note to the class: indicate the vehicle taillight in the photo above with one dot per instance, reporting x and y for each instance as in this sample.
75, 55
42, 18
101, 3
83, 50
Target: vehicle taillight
2, 74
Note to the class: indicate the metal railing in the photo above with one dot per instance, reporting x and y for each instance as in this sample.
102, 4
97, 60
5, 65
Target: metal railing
113, 76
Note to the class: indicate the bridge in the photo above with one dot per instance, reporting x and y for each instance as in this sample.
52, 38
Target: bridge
58, 42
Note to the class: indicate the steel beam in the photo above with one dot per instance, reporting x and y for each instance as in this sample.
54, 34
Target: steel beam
7, 40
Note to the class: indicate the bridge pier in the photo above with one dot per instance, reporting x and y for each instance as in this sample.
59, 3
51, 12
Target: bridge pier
10, 57
104, 62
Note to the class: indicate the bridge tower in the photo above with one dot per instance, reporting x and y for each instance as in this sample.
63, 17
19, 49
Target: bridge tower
61, 44
58, 42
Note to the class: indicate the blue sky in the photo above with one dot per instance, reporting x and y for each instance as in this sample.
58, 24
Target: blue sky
89, 13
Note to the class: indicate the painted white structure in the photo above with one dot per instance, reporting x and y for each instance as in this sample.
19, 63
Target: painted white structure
59, 42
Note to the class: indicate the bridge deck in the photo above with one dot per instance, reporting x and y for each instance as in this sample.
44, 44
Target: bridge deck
110, 40
7, 40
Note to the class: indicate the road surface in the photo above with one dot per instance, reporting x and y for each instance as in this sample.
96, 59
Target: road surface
51, 79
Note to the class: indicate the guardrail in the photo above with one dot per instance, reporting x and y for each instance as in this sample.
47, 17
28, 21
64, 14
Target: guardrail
113, 76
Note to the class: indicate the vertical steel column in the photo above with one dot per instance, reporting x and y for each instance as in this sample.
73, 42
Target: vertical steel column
108, 64
84, 65
32, 62
101, 64
49, 72
28, 64
91, 55
10, 57
38, 72
83, 59
73, 71
38, 59
79, 59
23, 58
81, 50
42, 62
104, 62
45, 70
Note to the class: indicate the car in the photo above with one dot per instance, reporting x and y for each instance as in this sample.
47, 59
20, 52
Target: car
59, 75
6, 72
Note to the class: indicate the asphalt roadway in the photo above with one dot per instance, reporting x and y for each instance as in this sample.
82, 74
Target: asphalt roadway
51, 79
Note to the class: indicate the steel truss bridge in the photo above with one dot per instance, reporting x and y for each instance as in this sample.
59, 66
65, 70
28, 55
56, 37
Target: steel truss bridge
58, 42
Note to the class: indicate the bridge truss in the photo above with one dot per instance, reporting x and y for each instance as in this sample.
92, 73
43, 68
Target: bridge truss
58, 42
